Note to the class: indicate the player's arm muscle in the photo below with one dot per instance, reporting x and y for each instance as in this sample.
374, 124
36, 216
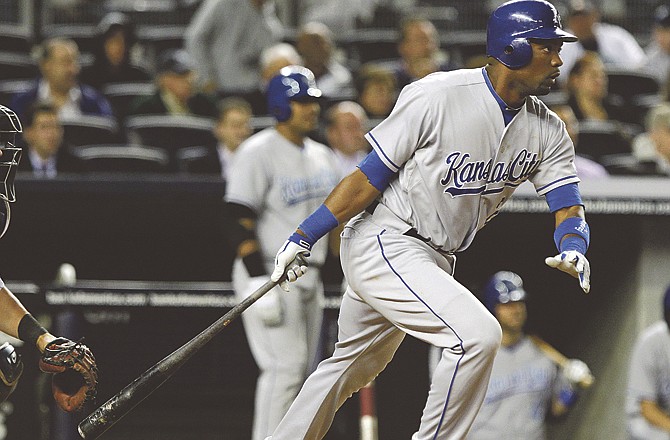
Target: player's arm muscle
655, 415
351, 196
12, 312
570, 211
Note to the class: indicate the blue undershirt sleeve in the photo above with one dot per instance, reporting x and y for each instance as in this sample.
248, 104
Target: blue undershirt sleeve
377, 173
563, 197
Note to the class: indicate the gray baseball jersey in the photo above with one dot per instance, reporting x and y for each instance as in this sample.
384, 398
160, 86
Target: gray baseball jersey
282, 183
649, 379
456, 170
457, 163
523, 381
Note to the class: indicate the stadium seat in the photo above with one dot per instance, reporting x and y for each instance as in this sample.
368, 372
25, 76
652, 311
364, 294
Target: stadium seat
170, 132
602, 138
15, 37
123, 158
14, 65
637, 89
120, 95
10, 87
89, 130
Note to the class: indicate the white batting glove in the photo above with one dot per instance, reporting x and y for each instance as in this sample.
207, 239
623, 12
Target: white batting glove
575, 264
577, 372
284, 259
269, 306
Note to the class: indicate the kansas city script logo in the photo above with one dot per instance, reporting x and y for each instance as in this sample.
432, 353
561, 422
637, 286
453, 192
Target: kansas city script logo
467, 177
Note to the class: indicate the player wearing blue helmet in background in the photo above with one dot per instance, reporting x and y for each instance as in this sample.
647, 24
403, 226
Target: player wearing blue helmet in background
526, 385
453, 150
648, 396
280, 176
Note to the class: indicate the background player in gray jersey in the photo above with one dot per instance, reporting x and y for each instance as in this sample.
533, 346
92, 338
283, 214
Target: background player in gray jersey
648, 396
525, 385
279, 177
454, 148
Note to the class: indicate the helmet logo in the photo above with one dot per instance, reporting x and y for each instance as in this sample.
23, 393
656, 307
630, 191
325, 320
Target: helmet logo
293, 86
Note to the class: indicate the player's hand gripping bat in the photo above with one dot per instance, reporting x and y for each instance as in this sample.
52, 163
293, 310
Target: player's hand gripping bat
560, 359
125, 400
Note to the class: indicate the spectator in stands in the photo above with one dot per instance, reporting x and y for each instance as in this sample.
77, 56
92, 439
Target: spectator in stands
115, 39
343, 15
45, 153
377, 90
617, 47
653, 146
232, 127
587, 91
586, 168
346, 124
658, 50
272, 59
59, 84
226, 37
176, 93
315, 44
419, 49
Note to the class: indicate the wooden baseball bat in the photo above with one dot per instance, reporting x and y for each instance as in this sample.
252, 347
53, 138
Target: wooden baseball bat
128, 398
558, 358
368, 417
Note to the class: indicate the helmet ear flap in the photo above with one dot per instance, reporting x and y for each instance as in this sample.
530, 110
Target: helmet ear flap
517, 53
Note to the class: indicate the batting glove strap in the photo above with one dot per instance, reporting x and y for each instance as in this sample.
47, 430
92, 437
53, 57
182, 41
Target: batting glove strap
580, 235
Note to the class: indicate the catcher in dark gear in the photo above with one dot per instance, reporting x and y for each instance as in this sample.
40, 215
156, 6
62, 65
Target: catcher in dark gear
72, 364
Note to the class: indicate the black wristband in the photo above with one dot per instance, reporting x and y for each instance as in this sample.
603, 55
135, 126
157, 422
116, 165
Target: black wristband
30, 330
254, 264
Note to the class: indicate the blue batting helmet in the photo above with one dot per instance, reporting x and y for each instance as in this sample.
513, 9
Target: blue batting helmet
293, 83
514, 23
503, 287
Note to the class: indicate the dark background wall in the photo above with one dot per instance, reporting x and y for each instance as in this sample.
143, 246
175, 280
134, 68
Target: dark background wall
159, 229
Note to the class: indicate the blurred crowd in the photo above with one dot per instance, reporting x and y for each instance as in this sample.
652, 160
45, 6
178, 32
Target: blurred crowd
115, 103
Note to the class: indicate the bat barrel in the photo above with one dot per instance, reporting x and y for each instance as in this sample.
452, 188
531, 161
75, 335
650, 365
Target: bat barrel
120, 404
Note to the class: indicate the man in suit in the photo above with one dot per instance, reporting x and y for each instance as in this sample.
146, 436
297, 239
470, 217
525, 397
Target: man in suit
59, 84
45, 153
176, 93
232, 127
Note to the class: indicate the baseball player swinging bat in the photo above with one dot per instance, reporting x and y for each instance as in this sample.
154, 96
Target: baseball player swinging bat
128, 398
559, 359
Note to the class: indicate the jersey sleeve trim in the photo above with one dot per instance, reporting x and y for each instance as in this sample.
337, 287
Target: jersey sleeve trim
382, 155
556, 183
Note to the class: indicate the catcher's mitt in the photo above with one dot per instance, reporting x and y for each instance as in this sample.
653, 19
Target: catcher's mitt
75, 373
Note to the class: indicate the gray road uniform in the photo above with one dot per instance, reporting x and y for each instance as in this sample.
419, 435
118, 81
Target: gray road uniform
649, 379
282, 183
456, 162
522, 384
